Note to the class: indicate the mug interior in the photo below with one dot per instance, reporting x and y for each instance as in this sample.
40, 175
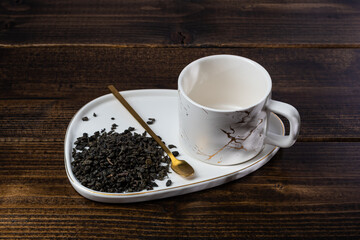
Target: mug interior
225, 82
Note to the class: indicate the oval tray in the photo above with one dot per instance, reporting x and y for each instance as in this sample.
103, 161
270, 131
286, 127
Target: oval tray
163, 106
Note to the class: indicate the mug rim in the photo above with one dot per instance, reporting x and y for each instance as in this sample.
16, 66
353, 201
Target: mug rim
257, 65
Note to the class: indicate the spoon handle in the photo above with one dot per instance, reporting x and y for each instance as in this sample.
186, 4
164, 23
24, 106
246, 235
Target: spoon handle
116, 93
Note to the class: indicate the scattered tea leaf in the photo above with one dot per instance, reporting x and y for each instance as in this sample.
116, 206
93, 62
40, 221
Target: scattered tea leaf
168, 183
119, 162
151, 121
114, 126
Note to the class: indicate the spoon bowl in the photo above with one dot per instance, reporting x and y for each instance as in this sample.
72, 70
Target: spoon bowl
181, 167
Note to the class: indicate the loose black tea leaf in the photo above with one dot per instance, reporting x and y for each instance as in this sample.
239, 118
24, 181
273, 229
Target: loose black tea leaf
168, 183
119, 162
85, 119
112, 118
94, 114
171, 146
114, 126
175, 153
151, 121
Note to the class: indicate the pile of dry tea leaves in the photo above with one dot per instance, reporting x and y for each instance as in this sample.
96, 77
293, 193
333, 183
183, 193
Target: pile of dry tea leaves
119, 162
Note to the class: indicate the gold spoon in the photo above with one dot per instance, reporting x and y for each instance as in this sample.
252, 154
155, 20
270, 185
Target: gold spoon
181, 167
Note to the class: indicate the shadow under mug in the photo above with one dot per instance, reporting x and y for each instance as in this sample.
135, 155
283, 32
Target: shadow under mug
224, 107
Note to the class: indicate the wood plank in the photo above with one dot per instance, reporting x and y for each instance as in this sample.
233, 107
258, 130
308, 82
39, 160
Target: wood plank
169, 23
309, 191
41, 90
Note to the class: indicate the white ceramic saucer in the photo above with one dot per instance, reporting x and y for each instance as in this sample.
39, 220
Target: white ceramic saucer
161, 105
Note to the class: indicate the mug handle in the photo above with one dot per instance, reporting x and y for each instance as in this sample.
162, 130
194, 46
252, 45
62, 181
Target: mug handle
292, 115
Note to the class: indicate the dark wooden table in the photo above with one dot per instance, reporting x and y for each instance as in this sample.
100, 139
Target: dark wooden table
55, 56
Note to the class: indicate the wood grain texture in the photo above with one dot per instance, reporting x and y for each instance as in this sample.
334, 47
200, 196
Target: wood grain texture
55, 56
177, 23
42, 88
309, 191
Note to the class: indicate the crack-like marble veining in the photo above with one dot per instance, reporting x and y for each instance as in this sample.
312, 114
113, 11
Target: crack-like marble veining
236, 140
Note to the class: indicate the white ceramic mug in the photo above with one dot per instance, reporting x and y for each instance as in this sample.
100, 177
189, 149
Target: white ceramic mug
224, 106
